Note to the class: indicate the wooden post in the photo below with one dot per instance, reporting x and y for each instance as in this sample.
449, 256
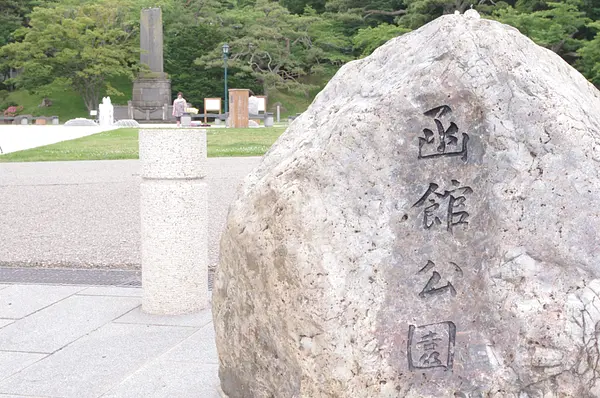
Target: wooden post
238, 107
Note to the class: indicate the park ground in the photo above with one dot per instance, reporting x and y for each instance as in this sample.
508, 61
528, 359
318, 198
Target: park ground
123, 144
71, 323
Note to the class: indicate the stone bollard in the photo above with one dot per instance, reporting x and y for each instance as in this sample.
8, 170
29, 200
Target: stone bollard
186, 120
173, 215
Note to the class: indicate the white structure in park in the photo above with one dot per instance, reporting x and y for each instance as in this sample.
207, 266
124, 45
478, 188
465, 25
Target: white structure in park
107, 112
173, 216
253, 105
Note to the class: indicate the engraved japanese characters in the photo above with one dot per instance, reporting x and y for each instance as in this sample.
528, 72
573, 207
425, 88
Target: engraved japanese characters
432, 346
446, 142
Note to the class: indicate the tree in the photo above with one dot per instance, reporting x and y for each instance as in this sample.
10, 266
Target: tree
591, 9
81, 45
14, 14
419, 12
9, 22
589, 63
298, 6
368, 39
279, 48
182, 47
554, 25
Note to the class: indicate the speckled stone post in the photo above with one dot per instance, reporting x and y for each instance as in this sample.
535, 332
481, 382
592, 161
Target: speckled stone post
173, 214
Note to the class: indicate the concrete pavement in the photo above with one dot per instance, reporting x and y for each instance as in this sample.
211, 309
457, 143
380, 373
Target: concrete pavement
85, 214
64, 340
80, 341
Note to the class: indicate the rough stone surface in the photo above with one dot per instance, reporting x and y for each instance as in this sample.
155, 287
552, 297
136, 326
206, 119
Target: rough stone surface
149, 96
151, 39
173, 203
173, 153
429, 227
152, 90
174, 247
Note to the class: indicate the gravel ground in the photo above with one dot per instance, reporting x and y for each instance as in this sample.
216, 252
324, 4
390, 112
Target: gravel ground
86, 214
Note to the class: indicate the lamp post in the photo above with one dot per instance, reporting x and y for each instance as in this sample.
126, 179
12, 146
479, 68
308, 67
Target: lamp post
225, 55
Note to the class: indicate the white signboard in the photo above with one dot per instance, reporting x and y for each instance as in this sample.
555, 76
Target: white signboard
212, 104
262, 104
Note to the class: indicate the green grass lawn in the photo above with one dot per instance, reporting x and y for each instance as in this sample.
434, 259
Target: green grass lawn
123, 144
65, 104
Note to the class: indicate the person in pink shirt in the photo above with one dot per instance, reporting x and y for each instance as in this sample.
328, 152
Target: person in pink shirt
179, 106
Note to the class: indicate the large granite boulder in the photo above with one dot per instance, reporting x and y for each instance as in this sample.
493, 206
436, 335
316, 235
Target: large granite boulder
429, 227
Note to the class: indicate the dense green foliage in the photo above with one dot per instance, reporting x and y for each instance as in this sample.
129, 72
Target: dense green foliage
183, 45
79, 45
277, 47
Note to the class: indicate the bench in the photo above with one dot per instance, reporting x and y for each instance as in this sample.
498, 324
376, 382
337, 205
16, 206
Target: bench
220, 116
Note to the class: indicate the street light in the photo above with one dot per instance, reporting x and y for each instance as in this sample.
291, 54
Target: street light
225, 55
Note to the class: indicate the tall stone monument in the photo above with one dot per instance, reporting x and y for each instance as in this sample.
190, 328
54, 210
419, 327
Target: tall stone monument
152, 89
429, 227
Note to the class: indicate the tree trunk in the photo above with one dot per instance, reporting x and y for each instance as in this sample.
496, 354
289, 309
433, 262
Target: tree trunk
89, 91
265, 88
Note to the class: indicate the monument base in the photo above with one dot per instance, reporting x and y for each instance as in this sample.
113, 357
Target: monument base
150, 95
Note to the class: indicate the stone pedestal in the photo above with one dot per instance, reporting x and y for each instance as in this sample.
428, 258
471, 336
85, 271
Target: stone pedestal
173, 216
152, 90
150, 95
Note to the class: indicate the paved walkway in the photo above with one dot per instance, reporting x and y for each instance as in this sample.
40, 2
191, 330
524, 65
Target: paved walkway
86, 214
61, 339
16, 138
80, 341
